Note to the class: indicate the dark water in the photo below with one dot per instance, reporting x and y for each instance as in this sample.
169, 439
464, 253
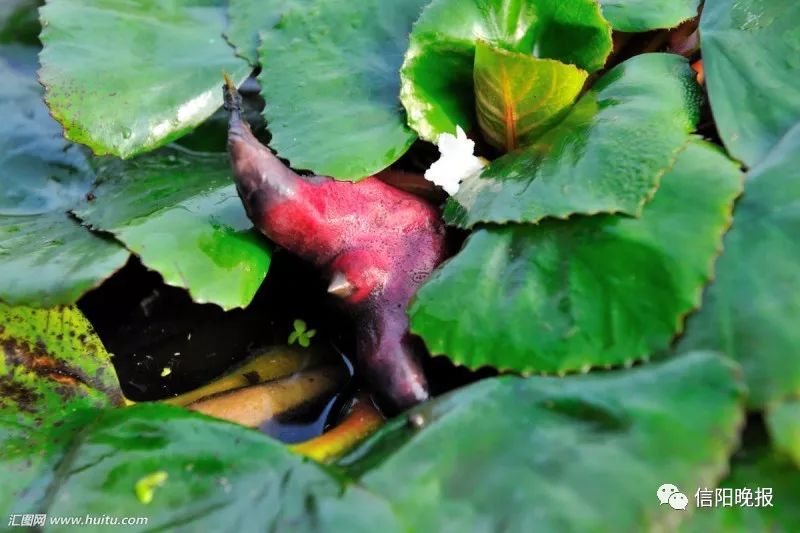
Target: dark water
149, 326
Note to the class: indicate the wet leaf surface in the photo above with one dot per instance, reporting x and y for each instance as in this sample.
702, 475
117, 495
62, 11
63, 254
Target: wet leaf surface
646, 15
752, 310
46, 257
591, 291
606, 156
595, 441
180, 213
330, 81
751, 58
212, 474
247, 19
437, 73
168, 58
558, 454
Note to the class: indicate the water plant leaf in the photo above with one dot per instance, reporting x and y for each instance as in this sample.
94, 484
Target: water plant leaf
46, 257
647, 15
751, 59
563, 454
752, 310
568, 295
754, 468
518, 96
127, 77
606, 156
215, 475
437, 72
330, 81
53, 367
625, 430
247, 19
180, 213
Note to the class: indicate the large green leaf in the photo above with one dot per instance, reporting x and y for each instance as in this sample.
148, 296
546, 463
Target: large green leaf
180, 213
46, 257
756, 468
751, 58
248, 18
584, 453
567, 295
53, 368
646, 15
127, 77
438, 69
330, 81
50, 259
606, 156
543, 448
752, 310
517, 96
219, 477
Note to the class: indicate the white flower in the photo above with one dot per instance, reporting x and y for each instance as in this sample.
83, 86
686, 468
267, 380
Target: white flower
456, 163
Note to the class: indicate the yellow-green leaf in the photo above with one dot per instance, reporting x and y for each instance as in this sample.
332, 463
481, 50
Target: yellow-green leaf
517, 96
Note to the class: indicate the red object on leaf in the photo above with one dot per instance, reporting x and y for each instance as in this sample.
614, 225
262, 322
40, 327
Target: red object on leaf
376, 243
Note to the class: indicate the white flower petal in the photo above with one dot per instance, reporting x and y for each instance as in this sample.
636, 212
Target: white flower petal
456, 162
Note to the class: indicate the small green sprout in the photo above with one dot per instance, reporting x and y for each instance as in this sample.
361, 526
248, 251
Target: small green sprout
145, 488
301, 334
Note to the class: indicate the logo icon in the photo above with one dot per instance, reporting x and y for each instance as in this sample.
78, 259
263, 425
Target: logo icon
671, 495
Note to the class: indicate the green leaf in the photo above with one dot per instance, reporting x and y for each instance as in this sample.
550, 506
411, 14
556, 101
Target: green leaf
180, 213
50, 259
248, 18
752, 311
549, 454
783, 421
606, 156
219, 477
751, 59
568, 295
517, 96
646, 15
600, 442
437, 73
330, 81
46, 257
53, 367
753, 469
127, 77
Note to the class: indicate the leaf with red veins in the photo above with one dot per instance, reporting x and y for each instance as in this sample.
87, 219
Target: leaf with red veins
377, 244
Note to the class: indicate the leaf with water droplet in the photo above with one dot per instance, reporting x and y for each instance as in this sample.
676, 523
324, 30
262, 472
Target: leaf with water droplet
168, 63
180, 213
